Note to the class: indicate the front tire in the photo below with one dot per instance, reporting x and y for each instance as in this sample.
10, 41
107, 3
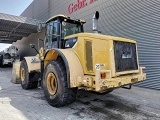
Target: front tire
27, 81
55, 85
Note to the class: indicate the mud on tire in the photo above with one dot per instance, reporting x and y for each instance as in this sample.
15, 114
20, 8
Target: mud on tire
55, 85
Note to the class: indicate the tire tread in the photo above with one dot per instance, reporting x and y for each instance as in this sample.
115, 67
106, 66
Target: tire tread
68, 94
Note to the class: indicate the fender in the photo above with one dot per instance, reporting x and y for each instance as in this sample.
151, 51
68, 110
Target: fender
33, 63
71, 61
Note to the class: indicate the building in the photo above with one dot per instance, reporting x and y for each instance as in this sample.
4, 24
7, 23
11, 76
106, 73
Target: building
134, 19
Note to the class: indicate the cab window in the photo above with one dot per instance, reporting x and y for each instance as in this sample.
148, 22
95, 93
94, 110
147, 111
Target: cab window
52, 33
70, 29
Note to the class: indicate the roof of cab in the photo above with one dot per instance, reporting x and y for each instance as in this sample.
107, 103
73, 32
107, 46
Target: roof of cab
65, 17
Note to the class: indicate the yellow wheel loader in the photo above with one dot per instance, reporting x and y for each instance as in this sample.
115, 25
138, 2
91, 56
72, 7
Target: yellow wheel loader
71, 59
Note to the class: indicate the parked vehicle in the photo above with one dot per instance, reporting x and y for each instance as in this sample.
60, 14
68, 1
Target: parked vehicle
9, 55
71, 59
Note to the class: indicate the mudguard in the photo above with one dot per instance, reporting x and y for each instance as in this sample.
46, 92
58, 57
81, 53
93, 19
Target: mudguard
33, 63
71, 61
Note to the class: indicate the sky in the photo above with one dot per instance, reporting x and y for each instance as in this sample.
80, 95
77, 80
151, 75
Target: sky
13, 7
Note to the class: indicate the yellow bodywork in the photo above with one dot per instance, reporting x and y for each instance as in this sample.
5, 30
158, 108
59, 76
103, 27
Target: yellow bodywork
83, 71
33, 63
102, 51
72, 60
90, 63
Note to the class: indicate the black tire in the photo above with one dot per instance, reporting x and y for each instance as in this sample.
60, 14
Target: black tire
27, 79
1, 58
1, 64
62, 94
1, 61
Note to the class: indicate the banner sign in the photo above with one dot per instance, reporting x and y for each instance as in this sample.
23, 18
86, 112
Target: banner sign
79, 4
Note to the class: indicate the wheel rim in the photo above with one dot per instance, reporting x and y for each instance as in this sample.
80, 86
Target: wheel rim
22, 74
52, 83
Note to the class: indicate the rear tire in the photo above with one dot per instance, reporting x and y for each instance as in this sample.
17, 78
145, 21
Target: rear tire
26, 78
1, 63
55, 85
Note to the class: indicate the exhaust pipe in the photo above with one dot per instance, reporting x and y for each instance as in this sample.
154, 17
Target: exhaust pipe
95, 22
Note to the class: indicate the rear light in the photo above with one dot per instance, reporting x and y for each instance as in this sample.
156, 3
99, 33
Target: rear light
103, 75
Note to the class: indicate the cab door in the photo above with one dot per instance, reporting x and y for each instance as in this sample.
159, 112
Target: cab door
53, 35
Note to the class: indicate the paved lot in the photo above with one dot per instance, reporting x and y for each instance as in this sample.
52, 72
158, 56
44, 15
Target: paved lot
121, 104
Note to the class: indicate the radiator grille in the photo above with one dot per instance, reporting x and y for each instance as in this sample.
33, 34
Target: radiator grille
89, 60
125, 56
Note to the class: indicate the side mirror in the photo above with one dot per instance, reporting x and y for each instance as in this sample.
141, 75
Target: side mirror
32, 45
39, 27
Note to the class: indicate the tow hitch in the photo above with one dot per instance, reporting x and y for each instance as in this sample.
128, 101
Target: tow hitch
129, 87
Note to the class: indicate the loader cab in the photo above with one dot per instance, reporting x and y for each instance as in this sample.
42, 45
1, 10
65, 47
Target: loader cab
60, 26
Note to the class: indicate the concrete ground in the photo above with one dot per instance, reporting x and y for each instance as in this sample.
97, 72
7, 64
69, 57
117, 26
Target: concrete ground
121, 104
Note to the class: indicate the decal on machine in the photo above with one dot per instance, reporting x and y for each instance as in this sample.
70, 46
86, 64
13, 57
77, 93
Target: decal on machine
98, 66
35, 60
